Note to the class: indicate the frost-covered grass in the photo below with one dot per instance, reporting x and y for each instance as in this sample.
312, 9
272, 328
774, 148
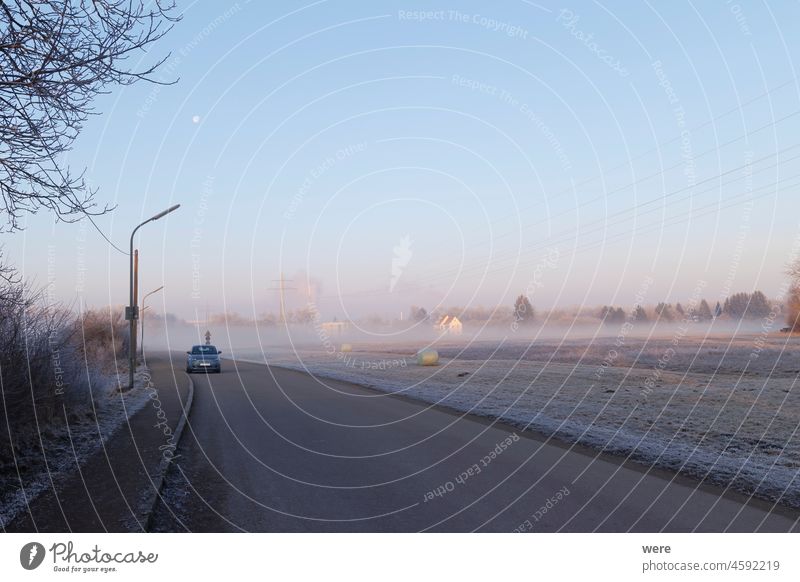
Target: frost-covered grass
724, 409
46, 453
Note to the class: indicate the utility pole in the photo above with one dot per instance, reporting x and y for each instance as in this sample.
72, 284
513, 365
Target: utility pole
134, 322
281, 288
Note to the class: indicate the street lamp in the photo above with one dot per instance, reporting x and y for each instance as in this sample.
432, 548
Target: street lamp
132, 311
141, 343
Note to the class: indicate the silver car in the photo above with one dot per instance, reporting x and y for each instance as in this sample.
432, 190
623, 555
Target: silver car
203, 358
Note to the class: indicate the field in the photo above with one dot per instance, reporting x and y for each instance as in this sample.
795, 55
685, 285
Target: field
720, 408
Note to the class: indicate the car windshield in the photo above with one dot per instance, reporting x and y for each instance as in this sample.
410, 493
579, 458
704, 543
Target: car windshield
204, 350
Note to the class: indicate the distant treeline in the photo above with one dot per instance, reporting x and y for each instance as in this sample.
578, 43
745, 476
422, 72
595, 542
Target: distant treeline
738, 306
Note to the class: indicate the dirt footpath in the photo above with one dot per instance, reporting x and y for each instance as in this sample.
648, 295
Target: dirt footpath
114, 490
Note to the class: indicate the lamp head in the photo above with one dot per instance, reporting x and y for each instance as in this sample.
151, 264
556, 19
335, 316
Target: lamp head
165, 212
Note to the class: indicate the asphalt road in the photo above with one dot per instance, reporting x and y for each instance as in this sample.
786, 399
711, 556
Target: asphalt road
268, 449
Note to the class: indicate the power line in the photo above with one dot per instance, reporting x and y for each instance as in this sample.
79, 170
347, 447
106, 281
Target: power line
97, 228
610, 193
711, 208
691, 129
603, 223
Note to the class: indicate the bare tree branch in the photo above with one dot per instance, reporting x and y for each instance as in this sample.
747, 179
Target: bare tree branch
55, 57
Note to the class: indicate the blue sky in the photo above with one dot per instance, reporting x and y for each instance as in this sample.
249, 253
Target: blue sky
570, 150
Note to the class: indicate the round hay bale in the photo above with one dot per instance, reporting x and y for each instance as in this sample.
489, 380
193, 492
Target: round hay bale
346, 348
427, 358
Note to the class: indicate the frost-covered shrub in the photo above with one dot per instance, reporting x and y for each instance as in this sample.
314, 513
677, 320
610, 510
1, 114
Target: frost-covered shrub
52, 362
100, 338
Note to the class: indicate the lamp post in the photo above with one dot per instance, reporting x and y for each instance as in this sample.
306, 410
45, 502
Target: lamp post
132, 311
141, 343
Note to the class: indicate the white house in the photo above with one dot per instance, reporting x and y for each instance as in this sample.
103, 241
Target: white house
451, 325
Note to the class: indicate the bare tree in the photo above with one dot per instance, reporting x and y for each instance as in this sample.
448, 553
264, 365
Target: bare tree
793, 300
9, 280
523, 310
750, 305
56, 56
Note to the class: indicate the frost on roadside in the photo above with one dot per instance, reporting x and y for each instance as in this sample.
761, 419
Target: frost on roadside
702, 418
43, 457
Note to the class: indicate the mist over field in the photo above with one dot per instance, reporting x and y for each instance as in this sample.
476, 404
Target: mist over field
239, 336
392, 267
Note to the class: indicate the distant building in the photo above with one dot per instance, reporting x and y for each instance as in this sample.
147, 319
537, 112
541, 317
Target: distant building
334, 328
448, 324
